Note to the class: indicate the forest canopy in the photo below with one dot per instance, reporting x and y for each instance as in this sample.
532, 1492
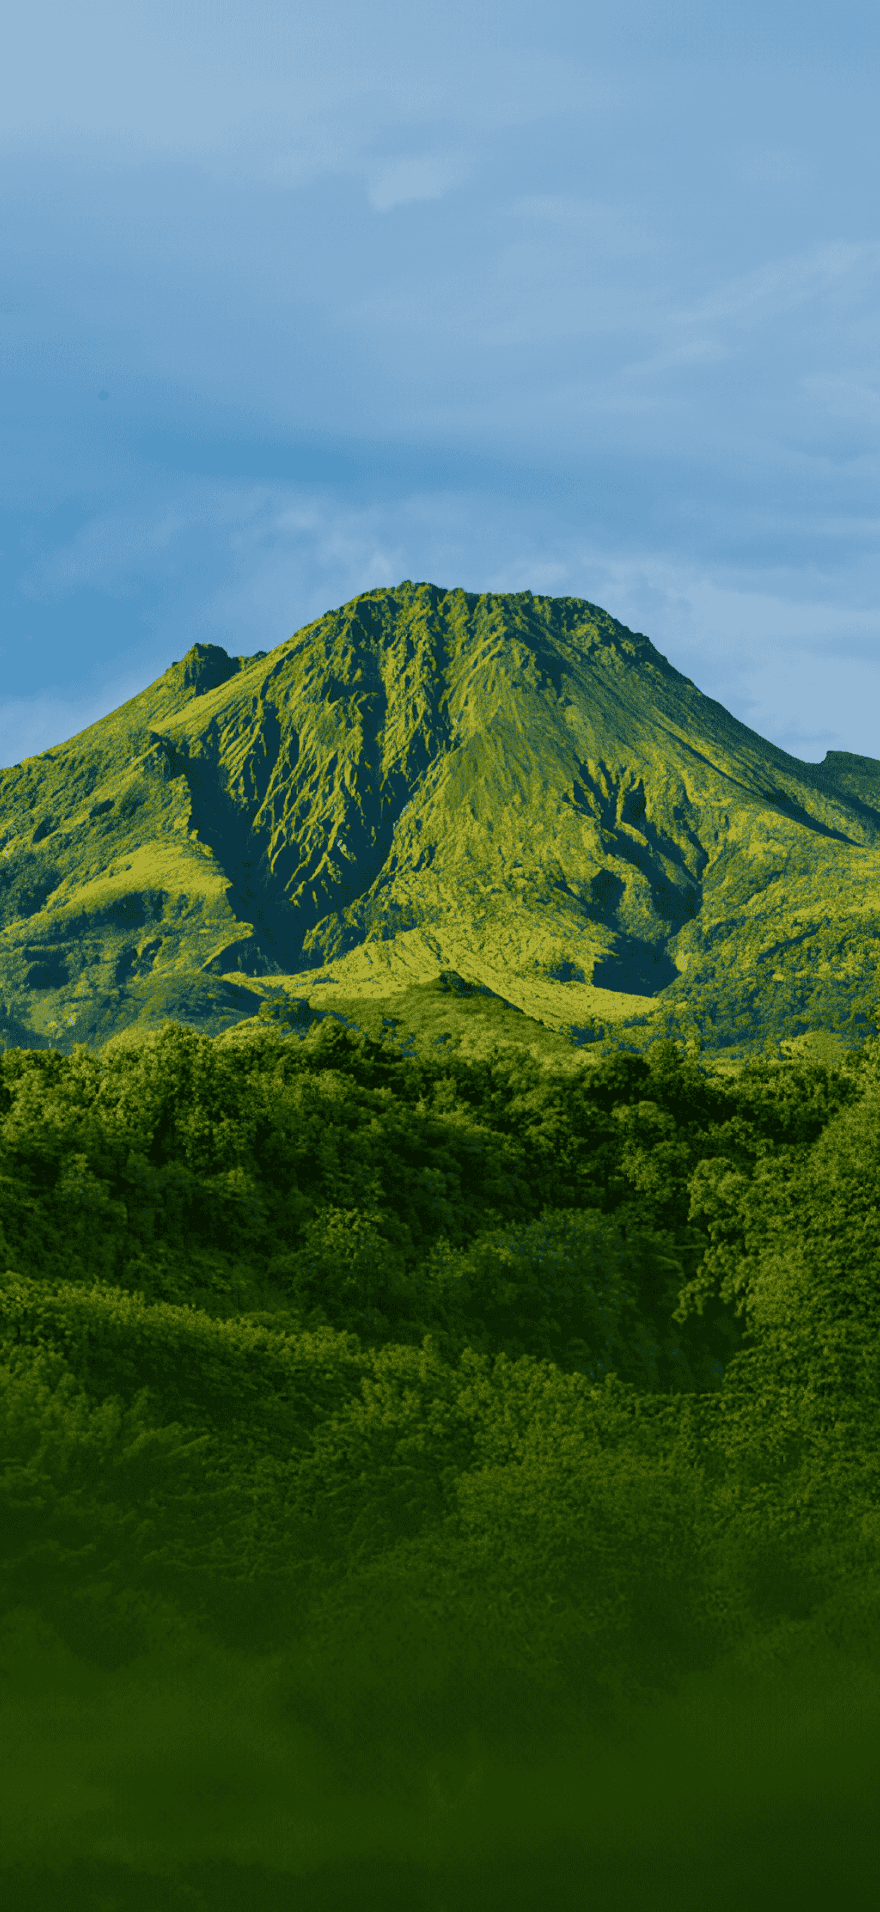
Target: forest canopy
480, 1395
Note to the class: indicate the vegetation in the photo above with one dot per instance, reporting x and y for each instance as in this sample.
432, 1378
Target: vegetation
439, 1344
514, 788
410, 1458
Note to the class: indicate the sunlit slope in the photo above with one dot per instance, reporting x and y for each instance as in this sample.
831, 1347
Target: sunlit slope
516, 788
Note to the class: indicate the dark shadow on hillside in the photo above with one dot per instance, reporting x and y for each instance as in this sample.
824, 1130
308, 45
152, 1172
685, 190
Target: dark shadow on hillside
636, 969
788, 806
451, 984
242, 853
269, 863
26, 881
196, 1000
782, 800
851, 779
633, 839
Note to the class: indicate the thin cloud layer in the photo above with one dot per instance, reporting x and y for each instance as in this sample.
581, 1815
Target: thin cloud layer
574, 299
802, 669
405, 180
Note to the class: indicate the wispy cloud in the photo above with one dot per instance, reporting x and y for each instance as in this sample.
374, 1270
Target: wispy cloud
263, 561
501, 296
110, 553
403, 180
846, 396
795, 278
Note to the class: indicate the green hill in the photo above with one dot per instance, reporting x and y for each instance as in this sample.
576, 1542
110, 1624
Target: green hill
514, 792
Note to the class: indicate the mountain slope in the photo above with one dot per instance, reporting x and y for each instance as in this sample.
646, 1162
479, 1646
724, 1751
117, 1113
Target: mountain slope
516, 788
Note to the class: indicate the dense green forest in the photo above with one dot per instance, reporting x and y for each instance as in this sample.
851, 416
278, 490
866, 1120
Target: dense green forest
380, 1429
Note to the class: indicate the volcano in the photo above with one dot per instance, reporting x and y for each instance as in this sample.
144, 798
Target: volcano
514, 789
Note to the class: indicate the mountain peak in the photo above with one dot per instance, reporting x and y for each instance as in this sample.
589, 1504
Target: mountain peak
510, 786
205, 666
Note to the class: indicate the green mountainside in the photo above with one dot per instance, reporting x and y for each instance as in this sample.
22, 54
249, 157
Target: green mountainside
432, 1467
427, 801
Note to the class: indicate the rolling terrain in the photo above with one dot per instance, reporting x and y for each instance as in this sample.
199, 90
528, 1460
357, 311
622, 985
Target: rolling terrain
514, 792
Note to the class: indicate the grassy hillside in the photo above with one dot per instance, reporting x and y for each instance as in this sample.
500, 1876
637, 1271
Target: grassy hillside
515, 789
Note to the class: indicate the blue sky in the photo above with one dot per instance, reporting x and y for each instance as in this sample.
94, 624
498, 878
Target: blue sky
298, 299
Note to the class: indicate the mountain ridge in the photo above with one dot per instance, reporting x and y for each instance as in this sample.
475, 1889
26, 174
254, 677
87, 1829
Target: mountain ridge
513, 787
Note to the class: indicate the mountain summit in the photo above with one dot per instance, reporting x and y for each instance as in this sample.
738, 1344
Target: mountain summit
515, 787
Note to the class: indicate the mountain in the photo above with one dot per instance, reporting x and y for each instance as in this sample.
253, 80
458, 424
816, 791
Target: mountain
514, 791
